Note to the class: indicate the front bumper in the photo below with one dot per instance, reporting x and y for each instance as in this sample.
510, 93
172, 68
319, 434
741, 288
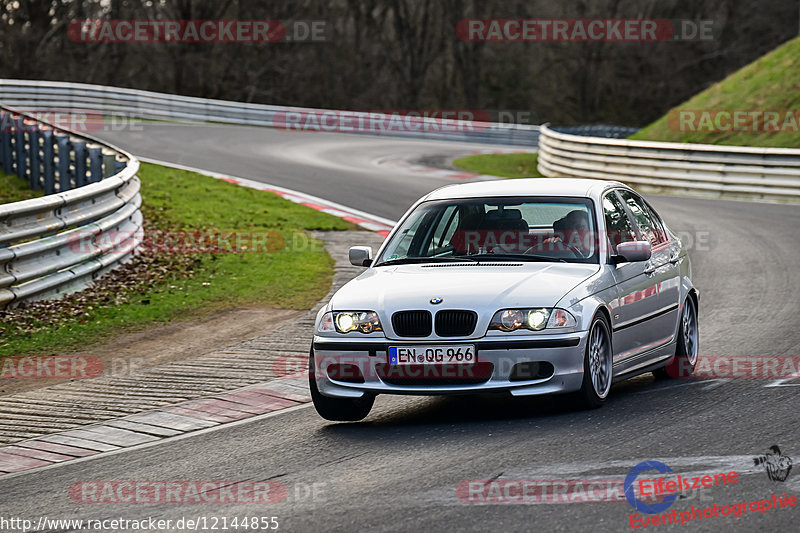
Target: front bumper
565, 352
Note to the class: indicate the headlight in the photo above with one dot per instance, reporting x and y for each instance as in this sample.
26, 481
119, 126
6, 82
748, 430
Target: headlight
347, 321
533, 319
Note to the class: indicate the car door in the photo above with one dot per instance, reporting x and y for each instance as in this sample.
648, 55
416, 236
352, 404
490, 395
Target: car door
670, 250
631, 282
648, 303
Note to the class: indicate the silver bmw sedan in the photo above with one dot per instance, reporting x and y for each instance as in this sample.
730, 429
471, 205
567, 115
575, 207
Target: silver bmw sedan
531, 286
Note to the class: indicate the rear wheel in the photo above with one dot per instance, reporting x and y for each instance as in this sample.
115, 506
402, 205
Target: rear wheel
337, 409
682, 364
597, 365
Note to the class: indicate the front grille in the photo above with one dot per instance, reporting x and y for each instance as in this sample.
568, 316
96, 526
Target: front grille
455, 323
412, 323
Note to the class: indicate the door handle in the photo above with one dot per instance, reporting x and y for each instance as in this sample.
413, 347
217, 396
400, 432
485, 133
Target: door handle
675, 258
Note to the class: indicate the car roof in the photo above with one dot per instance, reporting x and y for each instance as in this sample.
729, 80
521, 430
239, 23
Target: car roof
577, 187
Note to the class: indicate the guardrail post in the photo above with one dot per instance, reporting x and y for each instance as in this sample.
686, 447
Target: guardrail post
35, 159
22, 159
109, 164
80, 163
12, 151
95, 164
62, 142
5, 141
48, 162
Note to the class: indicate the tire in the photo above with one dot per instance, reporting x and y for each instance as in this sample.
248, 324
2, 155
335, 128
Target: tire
597, 365
683, 363
337, 409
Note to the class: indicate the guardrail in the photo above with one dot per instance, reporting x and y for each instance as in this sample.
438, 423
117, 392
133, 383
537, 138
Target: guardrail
55, 95
60, 243
31, 151
712, 170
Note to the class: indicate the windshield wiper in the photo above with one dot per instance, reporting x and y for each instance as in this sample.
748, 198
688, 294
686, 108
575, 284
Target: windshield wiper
515, 257
417, 260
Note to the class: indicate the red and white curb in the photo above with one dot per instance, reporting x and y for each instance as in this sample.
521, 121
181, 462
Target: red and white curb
409, 166
152, 426
368, 221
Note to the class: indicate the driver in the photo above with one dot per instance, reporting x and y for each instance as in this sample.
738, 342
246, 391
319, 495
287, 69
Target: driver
570, 231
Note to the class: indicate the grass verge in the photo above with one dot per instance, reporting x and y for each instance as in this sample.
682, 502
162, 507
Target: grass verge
505, 165
770, 84
15, 189
166, 284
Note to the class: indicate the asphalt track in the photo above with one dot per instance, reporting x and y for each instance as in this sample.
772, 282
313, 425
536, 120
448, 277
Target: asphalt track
338, 167
399, 469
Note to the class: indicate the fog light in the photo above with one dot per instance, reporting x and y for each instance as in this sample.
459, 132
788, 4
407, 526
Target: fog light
346, 372
531, 370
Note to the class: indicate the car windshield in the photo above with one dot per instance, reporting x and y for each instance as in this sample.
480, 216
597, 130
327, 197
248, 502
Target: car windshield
498, 229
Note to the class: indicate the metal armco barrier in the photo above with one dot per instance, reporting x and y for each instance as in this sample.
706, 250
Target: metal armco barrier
64, 96
714, 170
49, 159
89, 222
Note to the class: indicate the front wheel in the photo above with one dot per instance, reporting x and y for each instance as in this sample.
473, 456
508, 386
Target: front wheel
337, 409
597, 365
682, 364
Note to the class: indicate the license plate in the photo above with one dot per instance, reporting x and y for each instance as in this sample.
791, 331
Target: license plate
432, 355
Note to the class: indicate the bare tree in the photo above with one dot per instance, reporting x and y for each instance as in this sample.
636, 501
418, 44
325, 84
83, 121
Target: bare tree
403, 54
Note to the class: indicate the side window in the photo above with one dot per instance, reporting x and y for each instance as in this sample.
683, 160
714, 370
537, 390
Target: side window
660, 231
618, 225
650, 229
402, 243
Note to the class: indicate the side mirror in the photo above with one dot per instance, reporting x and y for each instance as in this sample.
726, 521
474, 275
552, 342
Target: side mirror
632, 252
360, 256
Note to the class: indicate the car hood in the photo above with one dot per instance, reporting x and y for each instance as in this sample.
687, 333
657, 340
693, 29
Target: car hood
480, 287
